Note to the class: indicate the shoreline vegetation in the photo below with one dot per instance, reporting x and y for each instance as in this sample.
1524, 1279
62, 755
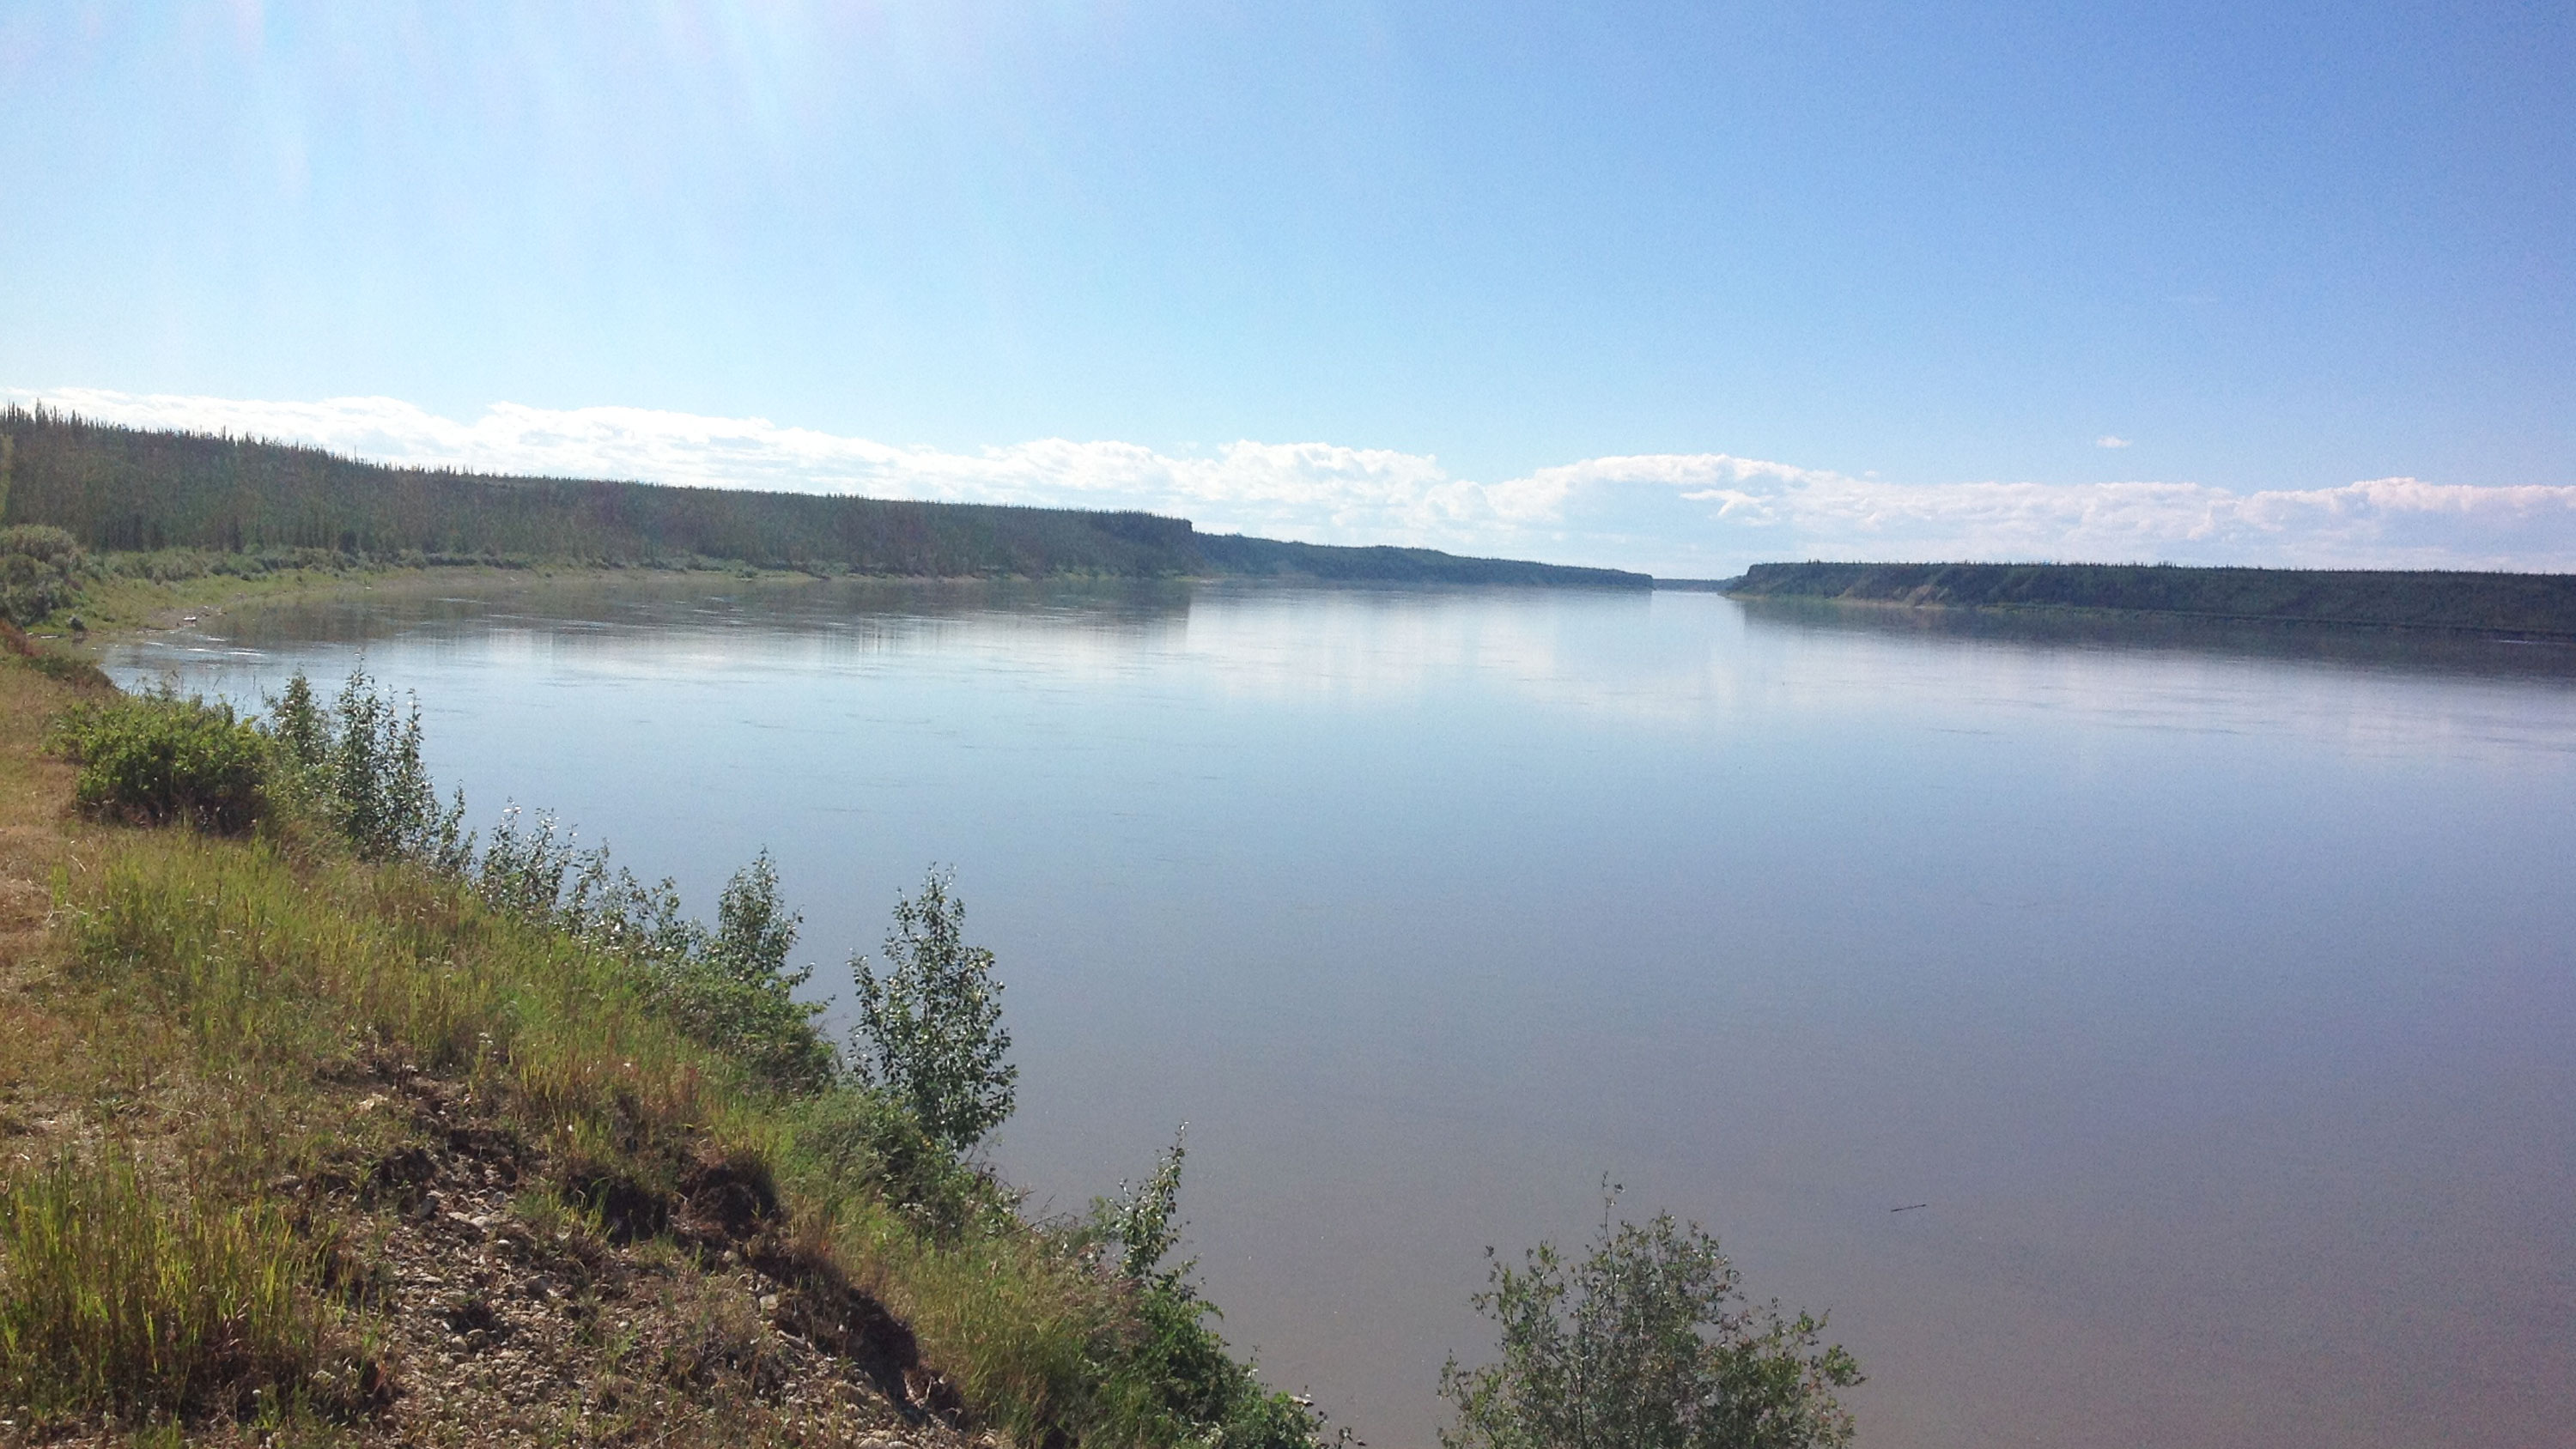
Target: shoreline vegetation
2517, 606
324, 1121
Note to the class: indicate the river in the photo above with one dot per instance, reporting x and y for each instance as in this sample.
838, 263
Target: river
2212, 989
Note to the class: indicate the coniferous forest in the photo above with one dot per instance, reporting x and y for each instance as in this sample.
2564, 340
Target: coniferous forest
123, 489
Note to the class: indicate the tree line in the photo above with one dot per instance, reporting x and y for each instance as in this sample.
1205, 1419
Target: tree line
135, 490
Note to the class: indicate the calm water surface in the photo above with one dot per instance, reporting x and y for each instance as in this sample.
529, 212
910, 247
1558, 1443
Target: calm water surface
2212, 988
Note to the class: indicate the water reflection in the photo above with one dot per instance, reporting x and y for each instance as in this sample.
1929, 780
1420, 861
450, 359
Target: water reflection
2209, 981
2411, 651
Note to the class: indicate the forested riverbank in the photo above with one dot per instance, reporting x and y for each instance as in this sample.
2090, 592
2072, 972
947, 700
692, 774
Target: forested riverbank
193, 502
2522, 605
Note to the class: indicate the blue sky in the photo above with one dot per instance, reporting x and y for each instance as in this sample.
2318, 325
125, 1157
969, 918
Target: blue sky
2235, 253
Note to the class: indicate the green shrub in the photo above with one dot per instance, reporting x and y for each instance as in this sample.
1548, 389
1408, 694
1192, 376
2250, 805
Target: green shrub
857, 1139
930, 1030
733, 989
40, 571
1175, 1382
174, 565
110, 1300
730, 989
157, 759
359, 761
1647, 1344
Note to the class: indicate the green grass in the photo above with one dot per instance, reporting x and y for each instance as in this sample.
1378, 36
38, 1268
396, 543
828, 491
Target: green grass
276, 976
154, 1304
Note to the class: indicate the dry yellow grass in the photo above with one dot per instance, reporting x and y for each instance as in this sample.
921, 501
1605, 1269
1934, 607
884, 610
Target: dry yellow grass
35, 839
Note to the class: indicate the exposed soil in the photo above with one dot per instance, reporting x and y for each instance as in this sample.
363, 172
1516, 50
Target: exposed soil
688, 1318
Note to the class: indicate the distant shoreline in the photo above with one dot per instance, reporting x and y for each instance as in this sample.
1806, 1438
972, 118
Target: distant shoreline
2526, 606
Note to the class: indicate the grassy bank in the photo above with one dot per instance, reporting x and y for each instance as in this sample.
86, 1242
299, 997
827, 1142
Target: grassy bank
308, 1128
2519, 605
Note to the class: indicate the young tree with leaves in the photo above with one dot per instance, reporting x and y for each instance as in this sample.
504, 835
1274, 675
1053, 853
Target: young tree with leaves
930, 1029
1646, 1344
360, 758
1178, 1377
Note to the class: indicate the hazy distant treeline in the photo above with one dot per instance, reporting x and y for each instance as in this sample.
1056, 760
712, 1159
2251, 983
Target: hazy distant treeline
2535, 604
120, 489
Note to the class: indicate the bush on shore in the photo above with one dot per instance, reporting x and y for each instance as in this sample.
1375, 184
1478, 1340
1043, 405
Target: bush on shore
40, 571
1647, 1343
1181, 1379
358, 764
157, 759
930, 1029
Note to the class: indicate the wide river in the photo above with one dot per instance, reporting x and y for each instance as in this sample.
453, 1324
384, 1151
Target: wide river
2213, 990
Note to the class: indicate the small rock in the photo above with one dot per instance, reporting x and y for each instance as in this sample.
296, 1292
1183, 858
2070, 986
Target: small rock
769, 1303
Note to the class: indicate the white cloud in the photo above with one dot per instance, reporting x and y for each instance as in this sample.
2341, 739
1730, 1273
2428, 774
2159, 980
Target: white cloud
1674, 514
2111, 440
